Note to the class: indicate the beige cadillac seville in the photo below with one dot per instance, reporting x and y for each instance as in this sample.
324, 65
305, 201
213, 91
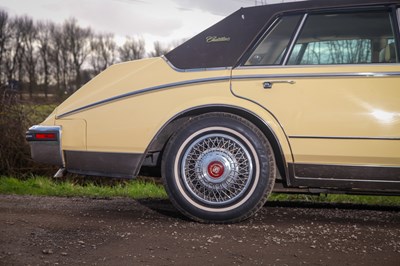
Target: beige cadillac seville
300, 96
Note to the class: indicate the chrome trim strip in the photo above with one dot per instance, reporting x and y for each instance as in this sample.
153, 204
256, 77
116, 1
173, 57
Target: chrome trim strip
193, 69
317, 66
347, 165
352, 180
398, 17
223, 78
345, 176
294, 39
142, 91
320, 75
344, 137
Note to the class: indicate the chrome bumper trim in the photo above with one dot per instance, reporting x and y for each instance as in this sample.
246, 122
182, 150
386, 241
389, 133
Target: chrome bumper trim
46, 151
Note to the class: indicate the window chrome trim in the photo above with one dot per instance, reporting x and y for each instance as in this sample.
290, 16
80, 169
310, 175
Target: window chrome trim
294, 40
193, 69
320, 75
344, 137
318, 66
398, 18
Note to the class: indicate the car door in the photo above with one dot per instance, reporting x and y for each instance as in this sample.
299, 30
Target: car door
331, 79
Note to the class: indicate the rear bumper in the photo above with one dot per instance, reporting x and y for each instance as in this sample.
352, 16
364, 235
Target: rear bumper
45, 143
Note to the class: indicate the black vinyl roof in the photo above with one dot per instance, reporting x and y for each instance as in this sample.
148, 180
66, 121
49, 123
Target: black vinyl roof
223, 44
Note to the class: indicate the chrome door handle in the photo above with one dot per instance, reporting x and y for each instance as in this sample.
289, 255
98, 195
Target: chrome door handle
268, 84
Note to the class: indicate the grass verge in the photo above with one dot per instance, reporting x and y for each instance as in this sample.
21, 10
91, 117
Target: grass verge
139, 189
44, 186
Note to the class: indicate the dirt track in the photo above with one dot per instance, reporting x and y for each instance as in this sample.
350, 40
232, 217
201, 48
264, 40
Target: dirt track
76, 231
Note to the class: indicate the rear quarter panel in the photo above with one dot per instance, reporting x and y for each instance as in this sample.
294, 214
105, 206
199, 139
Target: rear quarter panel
128, 125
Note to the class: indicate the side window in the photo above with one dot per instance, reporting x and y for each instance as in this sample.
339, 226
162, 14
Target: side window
346, 38
271, 49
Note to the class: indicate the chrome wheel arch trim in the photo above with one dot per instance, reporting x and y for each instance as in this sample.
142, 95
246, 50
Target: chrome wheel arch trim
233, 110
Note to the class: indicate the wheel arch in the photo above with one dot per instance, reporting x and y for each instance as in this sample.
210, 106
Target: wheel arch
154, 151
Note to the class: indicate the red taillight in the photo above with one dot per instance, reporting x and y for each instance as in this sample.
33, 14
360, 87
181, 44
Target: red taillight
46, 136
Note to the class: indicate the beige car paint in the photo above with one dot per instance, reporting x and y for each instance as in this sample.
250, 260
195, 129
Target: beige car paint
332, 114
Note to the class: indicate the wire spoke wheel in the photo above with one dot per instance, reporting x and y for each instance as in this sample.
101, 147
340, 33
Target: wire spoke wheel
216, 169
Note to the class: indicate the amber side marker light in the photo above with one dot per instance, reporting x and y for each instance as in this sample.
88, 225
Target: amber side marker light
46, 136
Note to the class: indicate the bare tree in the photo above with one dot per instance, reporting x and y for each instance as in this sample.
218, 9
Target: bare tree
103, 49
14, 50
60, 57
5, 37
176, 43
43, 38
78, 45
56, 50
159, 50
30, 54
132, 49
61, 60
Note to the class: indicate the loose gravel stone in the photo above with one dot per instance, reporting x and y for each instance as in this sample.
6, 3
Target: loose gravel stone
119, 231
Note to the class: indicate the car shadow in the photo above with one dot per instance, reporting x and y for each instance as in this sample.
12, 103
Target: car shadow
163, 207
330, 205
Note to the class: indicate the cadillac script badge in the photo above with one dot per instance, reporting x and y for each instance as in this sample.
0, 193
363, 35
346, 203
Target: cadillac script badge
210, 39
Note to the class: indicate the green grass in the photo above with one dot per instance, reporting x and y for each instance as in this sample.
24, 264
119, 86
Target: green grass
139, 189
44, 186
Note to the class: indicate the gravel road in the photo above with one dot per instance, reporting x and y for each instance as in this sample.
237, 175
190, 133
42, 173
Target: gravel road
120, 231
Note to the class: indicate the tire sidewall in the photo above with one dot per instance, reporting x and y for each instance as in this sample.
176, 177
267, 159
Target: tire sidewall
248, 136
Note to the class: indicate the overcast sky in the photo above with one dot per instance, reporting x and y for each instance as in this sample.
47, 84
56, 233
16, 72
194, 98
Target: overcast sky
163, 20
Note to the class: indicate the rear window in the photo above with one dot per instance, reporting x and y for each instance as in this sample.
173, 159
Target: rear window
345, 38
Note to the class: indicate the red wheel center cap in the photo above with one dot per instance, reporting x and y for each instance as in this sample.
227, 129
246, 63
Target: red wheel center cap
215, 169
